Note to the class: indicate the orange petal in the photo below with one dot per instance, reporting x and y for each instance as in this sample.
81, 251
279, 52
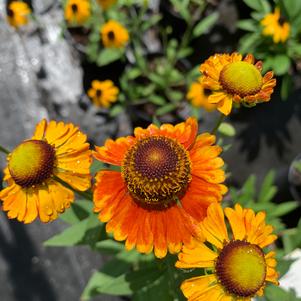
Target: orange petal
113, 152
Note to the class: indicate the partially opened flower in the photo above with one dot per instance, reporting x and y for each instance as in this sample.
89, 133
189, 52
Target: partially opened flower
198, 96
113, 34
238, 268
234, 79
103, 93
168, 178
18, 13
105, 4
55, 152
77, 11
275, 26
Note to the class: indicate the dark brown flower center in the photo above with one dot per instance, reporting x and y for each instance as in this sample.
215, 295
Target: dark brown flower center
111, 35
74, 8
241, 268
10, 12
98, 93
157, 171
31, 163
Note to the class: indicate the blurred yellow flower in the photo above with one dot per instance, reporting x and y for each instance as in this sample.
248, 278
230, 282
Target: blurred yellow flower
18, 13
274, 26
113, 34
103, 93
55, 152
232, 78
198, 96
105, 4
77, 11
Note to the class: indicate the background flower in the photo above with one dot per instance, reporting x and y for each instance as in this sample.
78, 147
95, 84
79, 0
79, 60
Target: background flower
18, 13
77, 11
274, 26
103, 93
113, 34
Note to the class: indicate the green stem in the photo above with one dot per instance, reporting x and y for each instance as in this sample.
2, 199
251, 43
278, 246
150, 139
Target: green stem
4, 150
85, 194
219, 121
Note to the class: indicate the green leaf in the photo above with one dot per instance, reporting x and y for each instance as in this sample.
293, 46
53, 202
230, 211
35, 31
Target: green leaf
87, 231
133, 73
115, 278
109, 246
286, 86
109, 55
259, 5
166, 109
267, 190
248, 42
150, 21
157, 79
78, 211
174, 95
69, 237
157, 100
204, 25
96, 166
116, 110
249, 188
281, 64
184, 52
248, 25
227, 129
282, 209
292, 7
181, 6
275, 293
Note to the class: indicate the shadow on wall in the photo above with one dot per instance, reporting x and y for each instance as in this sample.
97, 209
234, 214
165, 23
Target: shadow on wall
267, 121
28, 281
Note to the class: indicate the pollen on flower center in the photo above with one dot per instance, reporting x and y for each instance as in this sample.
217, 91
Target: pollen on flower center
31, 162
241, 78
157, 171
241, 268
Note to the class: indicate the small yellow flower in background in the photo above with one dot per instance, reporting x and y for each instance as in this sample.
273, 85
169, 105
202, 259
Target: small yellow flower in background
234, 79
103, 93
239, 266
18, 13
198, 96
113, 34
55, 151
77, 11
169, 176
105, 4
274, 26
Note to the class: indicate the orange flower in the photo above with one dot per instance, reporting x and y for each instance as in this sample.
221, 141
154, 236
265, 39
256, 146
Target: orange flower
77, 12
234, 79
198, 96
18, 13
113, 34
168, 178
103, 93
55, 152
238, 268
274, 26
